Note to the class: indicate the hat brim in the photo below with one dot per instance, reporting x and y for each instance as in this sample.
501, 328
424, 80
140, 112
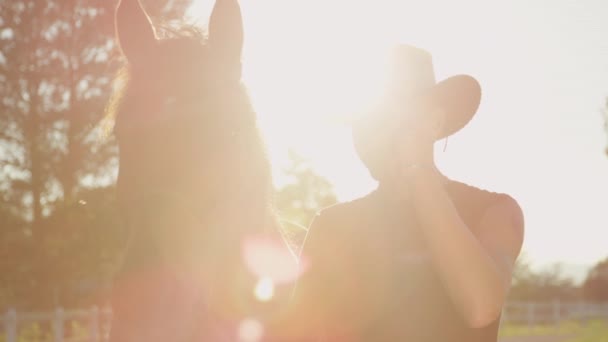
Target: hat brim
459, 96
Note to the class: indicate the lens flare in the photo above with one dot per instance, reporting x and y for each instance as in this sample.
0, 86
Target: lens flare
264, 290
269, 257
250, 330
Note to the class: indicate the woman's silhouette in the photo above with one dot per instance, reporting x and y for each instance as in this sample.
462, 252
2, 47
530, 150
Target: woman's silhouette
423, 257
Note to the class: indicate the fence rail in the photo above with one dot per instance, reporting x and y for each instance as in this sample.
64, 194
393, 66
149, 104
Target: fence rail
94, 323
552, 312
80, 325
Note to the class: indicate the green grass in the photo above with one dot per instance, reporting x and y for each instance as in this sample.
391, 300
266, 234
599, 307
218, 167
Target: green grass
32, 332
565, 328
591, 331
596, 331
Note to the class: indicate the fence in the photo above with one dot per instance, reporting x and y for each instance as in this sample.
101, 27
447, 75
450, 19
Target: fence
65, 326
94, 324
552, 312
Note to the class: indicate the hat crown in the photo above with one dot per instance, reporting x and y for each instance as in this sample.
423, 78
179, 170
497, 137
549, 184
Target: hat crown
410, 70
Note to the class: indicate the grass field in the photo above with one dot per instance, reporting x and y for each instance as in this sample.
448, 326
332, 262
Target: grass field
572, 331
591, 331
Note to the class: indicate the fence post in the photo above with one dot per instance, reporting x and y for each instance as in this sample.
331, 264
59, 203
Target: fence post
94, 324
557, 312
58, 325
504, 316
10, 325
531, 318
581, 314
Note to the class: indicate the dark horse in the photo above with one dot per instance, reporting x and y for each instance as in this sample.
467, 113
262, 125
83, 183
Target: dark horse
194, 186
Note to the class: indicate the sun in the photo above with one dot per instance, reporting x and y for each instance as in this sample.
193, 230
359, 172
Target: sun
311, 67
310, 60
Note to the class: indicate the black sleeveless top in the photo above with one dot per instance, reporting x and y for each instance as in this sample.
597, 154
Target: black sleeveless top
383, 286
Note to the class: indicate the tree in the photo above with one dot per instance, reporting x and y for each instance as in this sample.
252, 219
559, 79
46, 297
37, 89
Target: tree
305, 194
301, 198
57, 63
545, 285
595, 287
56, 75
11, 241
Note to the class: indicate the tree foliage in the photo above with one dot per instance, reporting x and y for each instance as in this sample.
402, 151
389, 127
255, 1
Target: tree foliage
546, 285
55, 78
59, 232
301, 198
595, 287
305, 194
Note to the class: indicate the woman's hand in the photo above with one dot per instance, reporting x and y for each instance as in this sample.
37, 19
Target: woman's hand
413, 142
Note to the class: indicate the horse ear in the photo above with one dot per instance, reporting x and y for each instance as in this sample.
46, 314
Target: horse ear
226, 30
134, 31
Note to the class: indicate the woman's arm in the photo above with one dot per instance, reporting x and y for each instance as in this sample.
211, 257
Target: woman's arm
476, 269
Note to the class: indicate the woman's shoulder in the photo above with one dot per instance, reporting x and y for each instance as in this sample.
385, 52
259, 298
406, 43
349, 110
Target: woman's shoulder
494, 217
475, 202
473, 192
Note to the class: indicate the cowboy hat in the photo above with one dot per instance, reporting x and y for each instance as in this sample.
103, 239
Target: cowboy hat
411, 80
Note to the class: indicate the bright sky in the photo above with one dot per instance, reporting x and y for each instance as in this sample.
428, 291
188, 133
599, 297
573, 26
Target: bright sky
543, 67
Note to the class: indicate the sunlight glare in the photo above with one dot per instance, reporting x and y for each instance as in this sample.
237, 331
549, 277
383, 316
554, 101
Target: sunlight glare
250, 330
264, 289
268, 257
310, 65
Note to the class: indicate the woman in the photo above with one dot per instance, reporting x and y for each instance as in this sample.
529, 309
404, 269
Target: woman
423, 257
194, 186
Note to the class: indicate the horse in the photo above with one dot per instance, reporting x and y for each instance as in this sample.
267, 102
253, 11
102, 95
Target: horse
194, 184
